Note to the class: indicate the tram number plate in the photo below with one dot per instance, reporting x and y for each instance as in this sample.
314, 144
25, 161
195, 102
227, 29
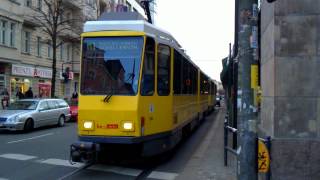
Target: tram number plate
107, 126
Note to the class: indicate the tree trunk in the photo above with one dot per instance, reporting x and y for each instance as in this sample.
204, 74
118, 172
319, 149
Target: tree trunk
54, 69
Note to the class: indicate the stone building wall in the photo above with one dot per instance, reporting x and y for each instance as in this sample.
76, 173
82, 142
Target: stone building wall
290, 80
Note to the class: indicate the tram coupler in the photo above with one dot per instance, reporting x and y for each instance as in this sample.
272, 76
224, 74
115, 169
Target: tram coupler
84, 152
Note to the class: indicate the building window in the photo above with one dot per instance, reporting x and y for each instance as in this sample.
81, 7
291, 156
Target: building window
49, 50
2, 82
69, 52
39, 46
26, 38
61, 52
13, 35
68, 16
39, 6
28, 3
4, 27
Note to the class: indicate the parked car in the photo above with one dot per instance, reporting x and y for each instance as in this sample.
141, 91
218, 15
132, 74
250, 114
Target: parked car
218, 103
28, 114
74, 109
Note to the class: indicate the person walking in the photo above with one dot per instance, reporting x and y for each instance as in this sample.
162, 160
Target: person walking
74, 95
19, 94
29, 93
5, 98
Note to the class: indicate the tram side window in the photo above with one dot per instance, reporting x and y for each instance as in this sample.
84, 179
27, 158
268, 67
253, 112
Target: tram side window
204, 88
177, 74
194, 80
147, 82
163, 70
202, 83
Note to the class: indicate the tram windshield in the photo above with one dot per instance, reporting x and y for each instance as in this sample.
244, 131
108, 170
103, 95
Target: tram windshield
110, 65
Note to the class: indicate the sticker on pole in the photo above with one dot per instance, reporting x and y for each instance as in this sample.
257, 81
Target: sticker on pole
263, 158
254, 76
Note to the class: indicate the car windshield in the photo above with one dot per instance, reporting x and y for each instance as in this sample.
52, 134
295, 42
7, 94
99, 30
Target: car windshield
110, 65
23, 105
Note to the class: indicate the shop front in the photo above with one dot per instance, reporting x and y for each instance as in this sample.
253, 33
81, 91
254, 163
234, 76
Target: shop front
34, 77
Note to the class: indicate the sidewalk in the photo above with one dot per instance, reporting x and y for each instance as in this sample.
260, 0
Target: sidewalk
207, 163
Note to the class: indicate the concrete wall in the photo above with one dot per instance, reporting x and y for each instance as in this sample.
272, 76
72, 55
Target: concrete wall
290, 77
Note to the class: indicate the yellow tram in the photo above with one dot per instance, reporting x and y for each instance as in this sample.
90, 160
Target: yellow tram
138, 89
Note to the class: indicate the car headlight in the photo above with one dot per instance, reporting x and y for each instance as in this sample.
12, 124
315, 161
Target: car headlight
88, 125
13, 118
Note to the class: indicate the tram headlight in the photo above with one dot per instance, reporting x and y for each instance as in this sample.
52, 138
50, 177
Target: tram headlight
88, 125
127, 126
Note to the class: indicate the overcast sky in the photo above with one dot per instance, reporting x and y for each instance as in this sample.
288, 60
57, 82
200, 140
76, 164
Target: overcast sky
204, 28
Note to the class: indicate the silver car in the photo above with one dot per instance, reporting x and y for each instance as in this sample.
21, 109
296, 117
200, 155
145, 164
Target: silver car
28, 114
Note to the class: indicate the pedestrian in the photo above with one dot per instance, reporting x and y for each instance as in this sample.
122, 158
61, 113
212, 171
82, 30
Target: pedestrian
29, 93
74, 95
19, 94
5, 98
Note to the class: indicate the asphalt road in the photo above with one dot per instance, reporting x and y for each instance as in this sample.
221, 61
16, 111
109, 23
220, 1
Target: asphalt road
44, 153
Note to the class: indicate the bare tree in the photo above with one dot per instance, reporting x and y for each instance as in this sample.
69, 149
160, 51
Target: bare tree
49, 17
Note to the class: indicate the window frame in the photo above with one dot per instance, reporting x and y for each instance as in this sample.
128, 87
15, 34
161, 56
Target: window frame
28, 3
12, 38
144, 65
39, 46
39, 5
26, 42
168, 69
4, 30
49, 50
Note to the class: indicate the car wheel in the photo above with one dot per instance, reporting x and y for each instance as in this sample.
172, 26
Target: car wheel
61, 121
28, 126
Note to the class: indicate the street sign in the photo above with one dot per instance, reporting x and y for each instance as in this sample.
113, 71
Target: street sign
263, 158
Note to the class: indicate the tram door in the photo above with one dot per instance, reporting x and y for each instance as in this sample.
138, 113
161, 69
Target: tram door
155, 102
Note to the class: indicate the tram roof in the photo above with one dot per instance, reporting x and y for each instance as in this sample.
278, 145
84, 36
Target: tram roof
131, 25
133, 21
129, 21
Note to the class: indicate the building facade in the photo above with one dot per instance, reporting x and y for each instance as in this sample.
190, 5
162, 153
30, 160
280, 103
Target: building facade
290, 80
25, 50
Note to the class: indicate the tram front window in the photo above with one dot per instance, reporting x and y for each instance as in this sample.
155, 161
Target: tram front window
110, 65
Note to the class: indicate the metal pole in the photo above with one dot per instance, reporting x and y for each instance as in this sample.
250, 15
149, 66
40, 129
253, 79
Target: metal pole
225, 142
235, 72
247, 124
268, 176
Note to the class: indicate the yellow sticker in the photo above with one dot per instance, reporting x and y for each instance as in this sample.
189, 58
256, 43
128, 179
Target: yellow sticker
263, 158
254, 76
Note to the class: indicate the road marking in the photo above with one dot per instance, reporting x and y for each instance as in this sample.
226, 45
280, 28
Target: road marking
20, 157
117, 170
3, 179
61, 162
35, 137
162, 175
